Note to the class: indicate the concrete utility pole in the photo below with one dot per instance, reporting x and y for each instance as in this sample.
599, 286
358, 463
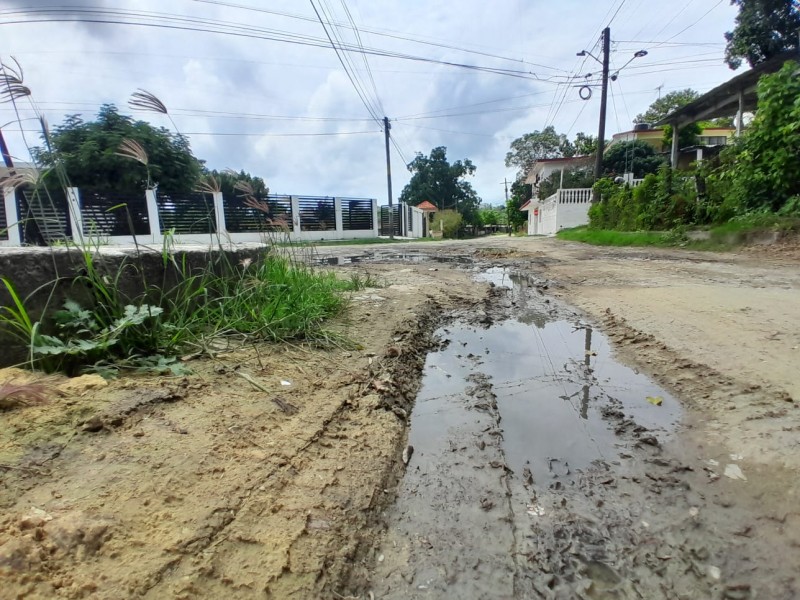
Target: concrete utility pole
386, 128
601, 130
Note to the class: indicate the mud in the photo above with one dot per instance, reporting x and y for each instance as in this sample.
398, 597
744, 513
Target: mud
543, 469
531, 474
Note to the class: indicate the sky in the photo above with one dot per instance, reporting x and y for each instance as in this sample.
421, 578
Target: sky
265, 91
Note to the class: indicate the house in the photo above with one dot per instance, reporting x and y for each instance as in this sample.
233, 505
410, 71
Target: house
710, 136
734, 97
545, 167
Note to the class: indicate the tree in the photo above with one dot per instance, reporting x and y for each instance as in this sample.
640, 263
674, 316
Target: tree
666, 105
88, 153
228, 180
635, 157
489, 216
761, 170
584, 144
764, 28
521, 192
529, 148
443, 184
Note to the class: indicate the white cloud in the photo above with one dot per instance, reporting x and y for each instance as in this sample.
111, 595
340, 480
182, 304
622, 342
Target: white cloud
76, 67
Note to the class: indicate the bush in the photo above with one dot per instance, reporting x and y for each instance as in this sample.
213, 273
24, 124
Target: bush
449, 222
660, 202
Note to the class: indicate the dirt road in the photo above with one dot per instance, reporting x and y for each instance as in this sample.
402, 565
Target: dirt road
204, 486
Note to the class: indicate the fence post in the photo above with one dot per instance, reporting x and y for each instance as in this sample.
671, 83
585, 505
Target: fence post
295, 214
152, 216
12, 216
75, 215
376, 218
219, 214
337, 209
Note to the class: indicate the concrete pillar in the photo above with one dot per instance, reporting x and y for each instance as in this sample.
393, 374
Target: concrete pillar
219, 213
296, 225
75, 215
376, 218
12, 216
152, 216
337, 209
673, 156
699, 155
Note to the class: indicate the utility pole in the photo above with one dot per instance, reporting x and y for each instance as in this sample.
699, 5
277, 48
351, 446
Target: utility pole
508, 214
6, 154
386, 128
601, 130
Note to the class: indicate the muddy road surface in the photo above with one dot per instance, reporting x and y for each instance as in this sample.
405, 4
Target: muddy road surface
515, 418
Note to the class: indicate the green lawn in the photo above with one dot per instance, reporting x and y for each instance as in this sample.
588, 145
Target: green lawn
603, 237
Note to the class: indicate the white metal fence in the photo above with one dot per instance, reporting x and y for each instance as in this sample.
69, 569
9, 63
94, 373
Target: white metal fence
188, 218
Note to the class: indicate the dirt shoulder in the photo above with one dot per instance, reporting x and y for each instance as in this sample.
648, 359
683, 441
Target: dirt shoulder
207, 487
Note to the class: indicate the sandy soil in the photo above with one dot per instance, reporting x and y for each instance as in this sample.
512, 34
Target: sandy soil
204, 487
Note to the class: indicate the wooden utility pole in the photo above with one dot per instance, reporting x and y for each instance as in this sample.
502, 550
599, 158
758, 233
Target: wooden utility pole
601, 130
386, 128
508, 214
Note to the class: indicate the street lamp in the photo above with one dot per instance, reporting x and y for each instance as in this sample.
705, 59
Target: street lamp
585, 93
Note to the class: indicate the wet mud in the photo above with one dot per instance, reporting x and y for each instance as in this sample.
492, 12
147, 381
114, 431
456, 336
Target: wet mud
544, 468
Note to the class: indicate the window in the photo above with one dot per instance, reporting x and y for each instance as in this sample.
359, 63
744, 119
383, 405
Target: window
712, 140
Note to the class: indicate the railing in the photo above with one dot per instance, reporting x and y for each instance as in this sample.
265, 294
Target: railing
123, 219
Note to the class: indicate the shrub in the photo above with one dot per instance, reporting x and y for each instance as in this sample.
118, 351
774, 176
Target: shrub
449, 222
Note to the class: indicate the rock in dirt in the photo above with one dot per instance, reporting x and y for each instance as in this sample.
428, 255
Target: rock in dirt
407, 453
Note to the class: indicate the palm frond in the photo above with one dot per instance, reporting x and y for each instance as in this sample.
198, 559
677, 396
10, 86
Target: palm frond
133, 150
144, 100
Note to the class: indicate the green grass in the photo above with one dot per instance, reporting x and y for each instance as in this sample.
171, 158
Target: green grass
727, 236
272, 298
604, 237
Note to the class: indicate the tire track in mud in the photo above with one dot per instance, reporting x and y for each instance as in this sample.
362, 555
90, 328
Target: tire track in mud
642, 523
324, 546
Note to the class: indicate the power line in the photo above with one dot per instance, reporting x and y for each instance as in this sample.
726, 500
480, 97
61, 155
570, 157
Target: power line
369, 108
180, 23
386, 33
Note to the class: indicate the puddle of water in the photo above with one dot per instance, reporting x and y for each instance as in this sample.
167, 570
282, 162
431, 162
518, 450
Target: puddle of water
408, 257
551, 382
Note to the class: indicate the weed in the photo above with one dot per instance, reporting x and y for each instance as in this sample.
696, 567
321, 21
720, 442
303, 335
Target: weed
361, 281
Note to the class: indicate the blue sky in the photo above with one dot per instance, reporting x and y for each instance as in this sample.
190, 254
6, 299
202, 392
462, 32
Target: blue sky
307, 130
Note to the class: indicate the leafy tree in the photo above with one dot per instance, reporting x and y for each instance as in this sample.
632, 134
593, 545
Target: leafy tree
443, 184
88, 152
635, 157
764, 28
761, 171
228, 180
584, 144
666, 104
529, 148
573, 178
521, 192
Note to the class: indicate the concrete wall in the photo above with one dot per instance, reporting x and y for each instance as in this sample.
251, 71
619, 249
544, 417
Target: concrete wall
45, 277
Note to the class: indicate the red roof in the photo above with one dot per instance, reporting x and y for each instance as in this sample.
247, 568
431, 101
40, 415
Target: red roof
526, 205
427, 206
